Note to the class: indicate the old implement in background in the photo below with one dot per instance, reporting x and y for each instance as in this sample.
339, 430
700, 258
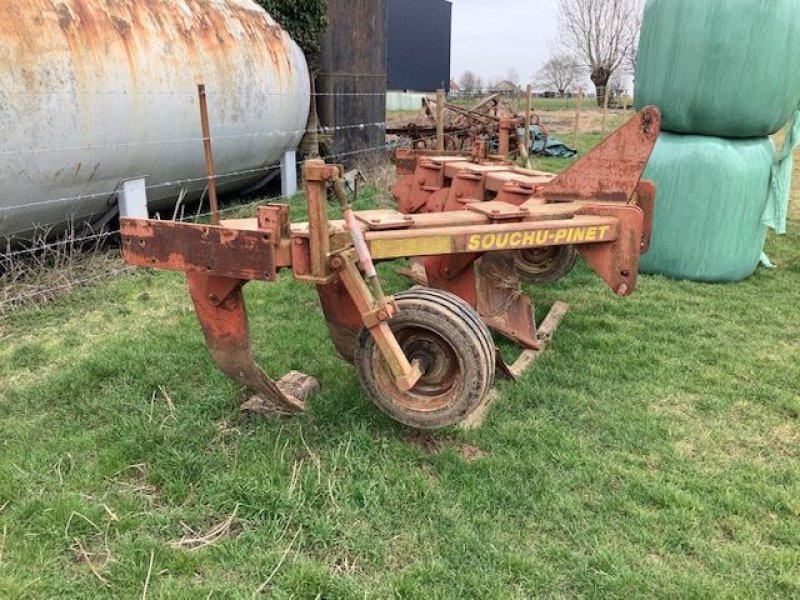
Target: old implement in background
425, 356
462, 126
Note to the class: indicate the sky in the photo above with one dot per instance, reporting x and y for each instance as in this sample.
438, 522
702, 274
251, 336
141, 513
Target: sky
492, 36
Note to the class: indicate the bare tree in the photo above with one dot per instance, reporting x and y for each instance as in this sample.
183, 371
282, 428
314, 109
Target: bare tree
633, 54
470, 82
560, 73
512, 76
602, 34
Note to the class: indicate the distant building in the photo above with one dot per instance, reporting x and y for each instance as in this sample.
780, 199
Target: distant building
507, 88
419, 45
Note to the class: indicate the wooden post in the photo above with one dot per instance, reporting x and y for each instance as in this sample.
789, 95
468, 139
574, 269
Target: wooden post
578, 117
212, 179
605, 111
440, 120
528, 115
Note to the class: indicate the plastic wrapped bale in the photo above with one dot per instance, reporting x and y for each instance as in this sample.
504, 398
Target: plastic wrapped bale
711, 198
728, 68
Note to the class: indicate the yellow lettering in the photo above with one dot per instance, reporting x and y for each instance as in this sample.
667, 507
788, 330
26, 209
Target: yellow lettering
515, 240
502, 241
474, 243
542, 237
604, 231
591, 234
529, 239
561, 235
488, 241
577, 236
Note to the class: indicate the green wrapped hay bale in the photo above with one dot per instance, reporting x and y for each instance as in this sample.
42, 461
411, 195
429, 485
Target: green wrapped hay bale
728, 68
710, 203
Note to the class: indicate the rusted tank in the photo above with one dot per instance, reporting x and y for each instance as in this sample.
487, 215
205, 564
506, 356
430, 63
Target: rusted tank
95, 92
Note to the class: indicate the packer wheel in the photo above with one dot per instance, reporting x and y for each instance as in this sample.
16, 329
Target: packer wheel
545, 265
456, 353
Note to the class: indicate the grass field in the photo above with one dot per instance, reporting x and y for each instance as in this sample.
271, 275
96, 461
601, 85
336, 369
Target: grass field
653, 451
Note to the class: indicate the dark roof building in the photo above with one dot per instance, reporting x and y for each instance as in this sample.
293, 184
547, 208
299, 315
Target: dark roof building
419, 45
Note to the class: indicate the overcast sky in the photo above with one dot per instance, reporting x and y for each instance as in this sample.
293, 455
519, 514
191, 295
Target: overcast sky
492, 36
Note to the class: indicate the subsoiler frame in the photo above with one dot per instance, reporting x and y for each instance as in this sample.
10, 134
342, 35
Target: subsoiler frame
466, 252
219, 261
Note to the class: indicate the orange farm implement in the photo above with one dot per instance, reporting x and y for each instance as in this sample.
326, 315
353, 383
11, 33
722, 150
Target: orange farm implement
425, 356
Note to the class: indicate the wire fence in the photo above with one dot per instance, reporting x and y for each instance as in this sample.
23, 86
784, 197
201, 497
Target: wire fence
182, 183
76, 242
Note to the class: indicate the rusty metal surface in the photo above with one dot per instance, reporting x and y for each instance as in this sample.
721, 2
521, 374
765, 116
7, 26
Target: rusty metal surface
248, 255
470, 253
209, 154
501, 302
227, 336
342, 317
646, 200
121, 77
462, 126
546, 332
611, 171
617, 262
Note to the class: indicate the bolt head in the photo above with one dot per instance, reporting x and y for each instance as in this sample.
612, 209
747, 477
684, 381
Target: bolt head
337, 263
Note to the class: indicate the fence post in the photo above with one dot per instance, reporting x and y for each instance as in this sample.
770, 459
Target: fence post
440, 120
289, 174
132, 199
528, 115
605, 111
578, 116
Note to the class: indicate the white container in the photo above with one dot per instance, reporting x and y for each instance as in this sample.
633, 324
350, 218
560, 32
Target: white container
94, 92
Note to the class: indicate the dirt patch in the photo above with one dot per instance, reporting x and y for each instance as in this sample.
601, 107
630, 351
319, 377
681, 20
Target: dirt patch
134, 480
436, 445
563, 121
194, 540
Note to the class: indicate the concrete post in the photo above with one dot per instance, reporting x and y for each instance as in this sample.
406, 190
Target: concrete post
132, 199
289, 174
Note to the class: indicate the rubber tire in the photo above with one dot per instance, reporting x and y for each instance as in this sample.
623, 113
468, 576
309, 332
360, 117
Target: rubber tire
565, 261
453, 321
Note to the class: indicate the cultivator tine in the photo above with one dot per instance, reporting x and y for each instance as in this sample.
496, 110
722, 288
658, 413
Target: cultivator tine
220, 307
502, 304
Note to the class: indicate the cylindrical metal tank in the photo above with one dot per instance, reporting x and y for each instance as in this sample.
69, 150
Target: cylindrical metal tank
94, 92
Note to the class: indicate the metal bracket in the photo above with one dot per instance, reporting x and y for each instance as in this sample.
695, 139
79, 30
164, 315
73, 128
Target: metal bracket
375, 318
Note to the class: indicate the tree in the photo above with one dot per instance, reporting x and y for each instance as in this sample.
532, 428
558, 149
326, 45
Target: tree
602, 34
470, 83
512, 76
560, 73
305, 20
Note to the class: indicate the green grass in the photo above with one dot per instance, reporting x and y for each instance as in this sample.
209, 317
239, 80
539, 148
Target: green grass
653, 451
